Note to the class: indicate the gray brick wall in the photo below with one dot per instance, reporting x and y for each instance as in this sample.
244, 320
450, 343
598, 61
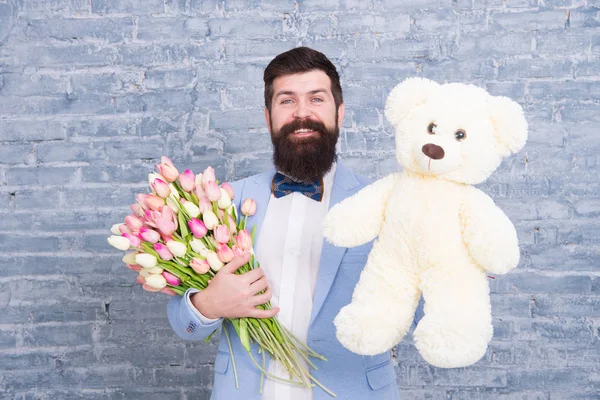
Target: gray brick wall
93, 92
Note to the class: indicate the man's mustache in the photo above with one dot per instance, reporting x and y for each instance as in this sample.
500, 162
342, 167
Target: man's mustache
307, 123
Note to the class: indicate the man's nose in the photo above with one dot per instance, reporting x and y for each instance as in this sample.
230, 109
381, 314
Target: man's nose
302, 110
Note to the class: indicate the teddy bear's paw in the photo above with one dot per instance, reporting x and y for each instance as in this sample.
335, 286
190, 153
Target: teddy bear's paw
451, 344
359, 330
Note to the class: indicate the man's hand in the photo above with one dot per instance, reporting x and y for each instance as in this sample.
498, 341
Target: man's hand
234, 296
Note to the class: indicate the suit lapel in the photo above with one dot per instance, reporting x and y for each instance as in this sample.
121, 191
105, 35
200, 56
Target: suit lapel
344, 184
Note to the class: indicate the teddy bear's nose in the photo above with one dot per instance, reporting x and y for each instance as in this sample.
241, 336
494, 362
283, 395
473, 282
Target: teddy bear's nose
433, 151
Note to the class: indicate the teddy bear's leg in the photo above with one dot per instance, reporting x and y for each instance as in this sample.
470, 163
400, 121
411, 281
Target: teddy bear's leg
457, 325
383, 303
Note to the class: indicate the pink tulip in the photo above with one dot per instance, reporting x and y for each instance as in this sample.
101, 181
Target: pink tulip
199, 191
213, 192
124, 229
161, 188
187, 180
137, 209
140, 279
141, 200
134, 267
163, 251
150, 217
134, 223
232, 225
243, 240
198, 180
149, 288
249, 207
227, 187
171, 279
167, 169
154, 202
168, 291
197, 227
237, 251
221, 233
204, 204
149, 235
208, 176
199, 265
133, 240
166, 223
224, 253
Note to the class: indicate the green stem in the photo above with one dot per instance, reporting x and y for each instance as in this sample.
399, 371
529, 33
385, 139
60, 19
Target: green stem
276, 377
237, 385
262, 375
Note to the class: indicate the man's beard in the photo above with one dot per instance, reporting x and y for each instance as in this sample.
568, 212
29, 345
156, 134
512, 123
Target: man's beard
304, 159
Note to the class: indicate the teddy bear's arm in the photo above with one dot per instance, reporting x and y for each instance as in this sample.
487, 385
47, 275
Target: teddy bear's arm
357, 219
489, 235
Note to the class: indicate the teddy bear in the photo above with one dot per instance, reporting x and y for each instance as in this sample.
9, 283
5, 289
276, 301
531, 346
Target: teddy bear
436, 235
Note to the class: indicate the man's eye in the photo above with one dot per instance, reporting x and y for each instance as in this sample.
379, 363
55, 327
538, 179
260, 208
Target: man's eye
317, 100
286, 101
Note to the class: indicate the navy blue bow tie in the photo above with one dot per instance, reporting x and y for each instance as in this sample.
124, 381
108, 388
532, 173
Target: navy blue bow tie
282, 186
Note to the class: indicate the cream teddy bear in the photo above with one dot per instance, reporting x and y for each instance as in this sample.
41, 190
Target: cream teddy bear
437, 235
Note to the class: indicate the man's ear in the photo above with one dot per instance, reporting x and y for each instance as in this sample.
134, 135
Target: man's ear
268, 119
341, 111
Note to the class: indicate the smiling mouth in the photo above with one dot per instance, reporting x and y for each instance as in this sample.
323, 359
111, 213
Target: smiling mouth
304, 132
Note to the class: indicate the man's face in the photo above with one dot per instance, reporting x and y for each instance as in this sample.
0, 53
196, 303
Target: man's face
304, 124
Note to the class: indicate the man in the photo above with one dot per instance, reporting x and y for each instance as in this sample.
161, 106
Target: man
309, 279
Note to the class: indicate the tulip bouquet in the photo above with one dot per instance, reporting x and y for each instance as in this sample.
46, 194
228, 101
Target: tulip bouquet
180, 236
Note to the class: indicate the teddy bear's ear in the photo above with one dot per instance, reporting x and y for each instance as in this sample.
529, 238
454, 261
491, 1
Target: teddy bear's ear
407, 95
510, 124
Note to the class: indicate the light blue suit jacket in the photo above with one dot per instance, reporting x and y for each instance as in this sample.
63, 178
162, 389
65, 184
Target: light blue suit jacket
349, 375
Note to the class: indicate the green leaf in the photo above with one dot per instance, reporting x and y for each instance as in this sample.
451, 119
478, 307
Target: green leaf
209, 336
244, 338
182, 225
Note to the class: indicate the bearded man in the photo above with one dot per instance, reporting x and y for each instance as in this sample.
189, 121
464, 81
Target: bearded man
307, 279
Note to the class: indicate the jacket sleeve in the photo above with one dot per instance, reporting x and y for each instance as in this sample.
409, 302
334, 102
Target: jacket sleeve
187, 322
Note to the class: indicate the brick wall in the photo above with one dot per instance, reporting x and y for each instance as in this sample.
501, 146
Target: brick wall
93, 92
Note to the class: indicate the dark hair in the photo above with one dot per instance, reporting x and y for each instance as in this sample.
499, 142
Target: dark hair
299, 60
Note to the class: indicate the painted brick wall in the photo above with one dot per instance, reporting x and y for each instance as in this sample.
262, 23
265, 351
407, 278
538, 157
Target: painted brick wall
93, 92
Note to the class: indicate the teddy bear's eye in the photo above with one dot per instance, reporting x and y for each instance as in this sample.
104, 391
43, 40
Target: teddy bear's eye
431, 128
460, 135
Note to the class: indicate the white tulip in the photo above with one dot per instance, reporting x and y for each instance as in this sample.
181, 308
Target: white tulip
191, 209
144, 273
154, 270
213, 261
129, 258
156, 281
224, 202
152, 176
115, 229
172, 205
174, 191
177, 248
146, 260
210, 219
119, 242
197, 245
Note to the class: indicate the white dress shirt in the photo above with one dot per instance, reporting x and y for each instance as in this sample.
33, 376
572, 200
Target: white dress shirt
289, 250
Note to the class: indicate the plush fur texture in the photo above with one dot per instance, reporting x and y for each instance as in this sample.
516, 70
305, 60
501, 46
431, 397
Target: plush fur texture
436, 235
